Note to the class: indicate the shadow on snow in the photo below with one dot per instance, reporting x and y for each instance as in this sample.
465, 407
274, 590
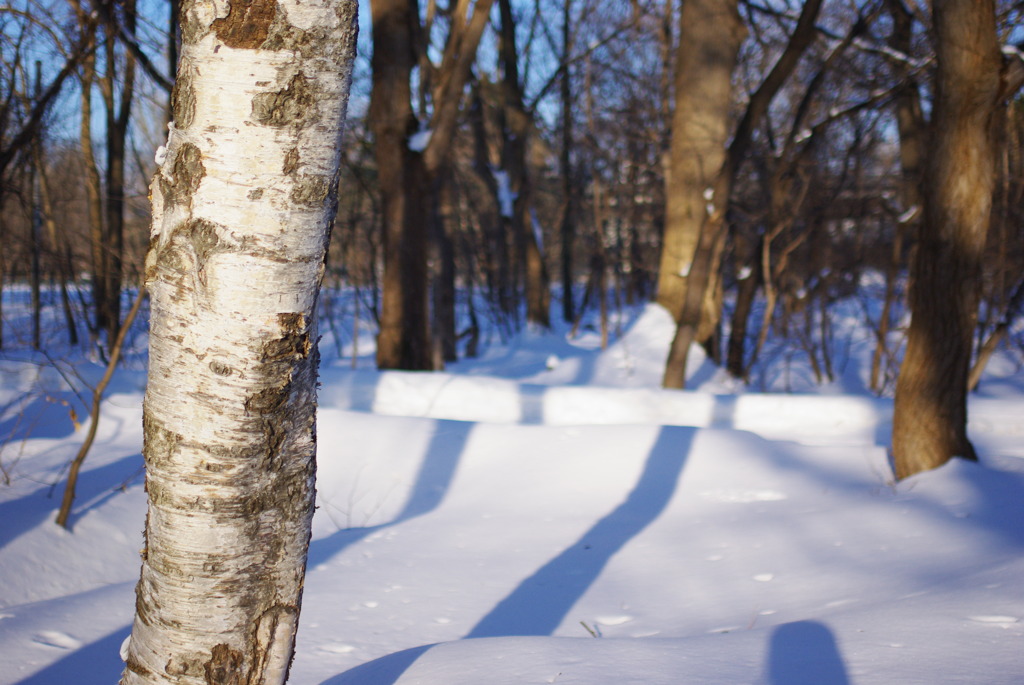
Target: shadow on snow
432, 482
541, 602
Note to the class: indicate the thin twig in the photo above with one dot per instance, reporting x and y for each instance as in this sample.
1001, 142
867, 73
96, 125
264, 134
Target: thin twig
94, 418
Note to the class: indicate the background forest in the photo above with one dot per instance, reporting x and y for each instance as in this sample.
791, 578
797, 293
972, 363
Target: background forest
517, 171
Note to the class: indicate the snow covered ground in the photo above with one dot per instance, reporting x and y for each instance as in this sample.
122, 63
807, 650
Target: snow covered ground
546, 514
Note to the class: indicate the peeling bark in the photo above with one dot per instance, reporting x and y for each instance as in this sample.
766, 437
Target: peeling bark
242, 206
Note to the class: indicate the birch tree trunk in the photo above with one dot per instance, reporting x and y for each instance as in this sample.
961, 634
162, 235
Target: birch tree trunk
243, 202
930, 412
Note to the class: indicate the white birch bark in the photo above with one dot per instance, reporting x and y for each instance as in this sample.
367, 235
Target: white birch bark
242, 208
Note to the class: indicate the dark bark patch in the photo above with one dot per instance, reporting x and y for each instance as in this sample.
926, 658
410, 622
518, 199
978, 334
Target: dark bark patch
268, 400
311, 191
158, 497
290, 105
255, 194
284, 36
183, 99
187, 173
192, 28
291, 162
182, 667
176, 259
247, 24
308, 43
205, 239
224, 666
215, 467
188, 167
220, 368
294, 344
135, 667
158, 442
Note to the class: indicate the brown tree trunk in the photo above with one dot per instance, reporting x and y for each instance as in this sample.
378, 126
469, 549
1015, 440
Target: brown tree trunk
404, 340
3, 273
118, 113
568, 224
59, 246
94, 201
444, 283
496, 260
36, 226
711, 33
911, 127
702, 169
748, 279
930, 419
409, 179
516, 132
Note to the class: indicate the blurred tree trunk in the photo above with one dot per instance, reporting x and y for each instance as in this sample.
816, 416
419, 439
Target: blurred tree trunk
410, 178
118, 88
241, 221
445, 338
711, 33
35, 228
568, 224
3, 270
930, 416
748, 256
451, 76
93, 198
496, 260
404, 339
515, 145
911, 126
60, 247
702, 170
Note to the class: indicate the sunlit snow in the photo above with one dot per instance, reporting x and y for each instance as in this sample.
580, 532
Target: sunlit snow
546, 514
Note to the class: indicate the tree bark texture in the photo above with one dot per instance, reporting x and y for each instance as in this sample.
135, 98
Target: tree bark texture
930, 419
243, 202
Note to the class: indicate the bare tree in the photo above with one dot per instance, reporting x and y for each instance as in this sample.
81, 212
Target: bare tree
702, 169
